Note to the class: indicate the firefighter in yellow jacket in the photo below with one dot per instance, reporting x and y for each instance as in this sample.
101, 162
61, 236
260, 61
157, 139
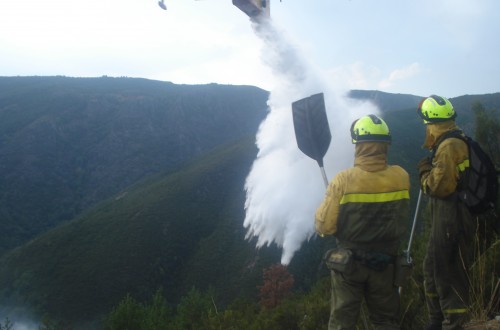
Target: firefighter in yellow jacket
366, 208
449, 247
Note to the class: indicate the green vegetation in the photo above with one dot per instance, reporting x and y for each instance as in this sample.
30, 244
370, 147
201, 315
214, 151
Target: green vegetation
198, 310
165, 232
124, 201
310, 309
7, 325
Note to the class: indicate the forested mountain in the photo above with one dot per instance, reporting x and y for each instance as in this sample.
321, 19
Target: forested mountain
172, 231
111, 186
67, 143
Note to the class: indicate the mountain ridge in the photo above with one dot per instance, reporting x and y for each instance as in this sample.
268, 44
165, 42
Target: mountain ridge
66, 143
70, 266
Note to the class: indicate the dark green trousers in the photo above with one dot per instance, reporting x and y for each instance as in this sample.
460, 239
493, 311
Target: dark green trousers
449, 255
376, 287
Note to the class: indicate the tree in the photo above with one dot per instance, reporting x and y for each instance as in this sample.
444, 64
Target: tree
487, 131
484, 274
7, 325
128, 315
157, 315
194, 310
277, 283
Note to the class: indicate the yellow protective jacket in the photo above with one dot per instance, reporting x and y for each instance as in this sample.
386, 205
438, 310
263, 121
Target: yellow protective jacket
450, 160
450, 250
367, 206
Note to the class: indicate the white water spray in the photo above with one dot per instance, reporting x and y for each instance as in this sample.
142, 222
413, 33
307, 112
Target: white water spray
284, 187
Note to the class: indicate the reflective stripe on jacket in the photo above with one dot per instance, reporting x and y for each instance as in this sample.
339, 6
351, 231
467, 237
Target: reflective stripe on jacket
367, 206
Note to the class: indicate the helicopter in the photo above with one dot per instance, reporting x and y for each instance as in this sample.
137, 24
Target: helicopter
253, 8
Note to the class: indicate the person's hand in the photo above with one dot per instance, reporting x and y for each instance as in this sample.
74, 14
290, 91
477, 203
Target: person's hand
424, 166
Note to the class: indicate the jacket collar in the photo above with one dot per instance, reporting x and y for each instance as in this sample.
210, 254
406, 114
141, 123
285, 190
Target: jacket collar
371, 156
434, 131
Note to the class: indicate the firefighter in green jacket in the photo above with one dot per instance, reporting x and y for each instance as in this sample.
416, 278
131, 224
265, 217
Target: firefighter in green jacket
449, 252
366, 208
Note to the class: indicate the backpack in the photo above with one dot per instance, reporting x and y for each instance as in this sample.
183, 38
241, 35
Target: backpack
478, 189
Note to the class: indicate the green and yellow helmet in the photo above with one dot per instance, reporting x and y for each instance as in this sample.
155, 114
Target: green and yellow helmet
436, 109
370, 129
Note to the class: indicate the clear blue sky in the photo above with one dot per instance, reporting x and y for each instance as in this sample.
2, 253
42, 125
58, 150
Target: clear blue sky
447, 47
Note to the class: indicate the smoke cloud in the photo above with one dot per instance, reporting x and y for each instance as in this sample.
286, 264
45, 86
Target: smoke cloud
17, 318
284, 186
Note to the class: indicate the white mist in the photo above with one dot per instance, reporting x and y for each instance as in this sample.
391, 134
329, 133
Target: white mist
284, 187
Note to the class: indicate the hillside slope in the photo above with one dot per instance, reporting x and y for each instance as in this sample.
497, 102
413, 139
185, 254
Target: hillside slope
68, 143
173, 231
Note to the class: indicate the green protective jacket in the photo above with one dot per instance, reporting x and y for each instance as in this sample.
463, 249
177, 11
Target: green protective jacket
366, 207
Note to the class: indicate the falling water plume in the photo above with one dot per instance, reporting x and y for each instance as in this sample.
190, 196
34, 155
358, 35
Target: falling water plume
284, 187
